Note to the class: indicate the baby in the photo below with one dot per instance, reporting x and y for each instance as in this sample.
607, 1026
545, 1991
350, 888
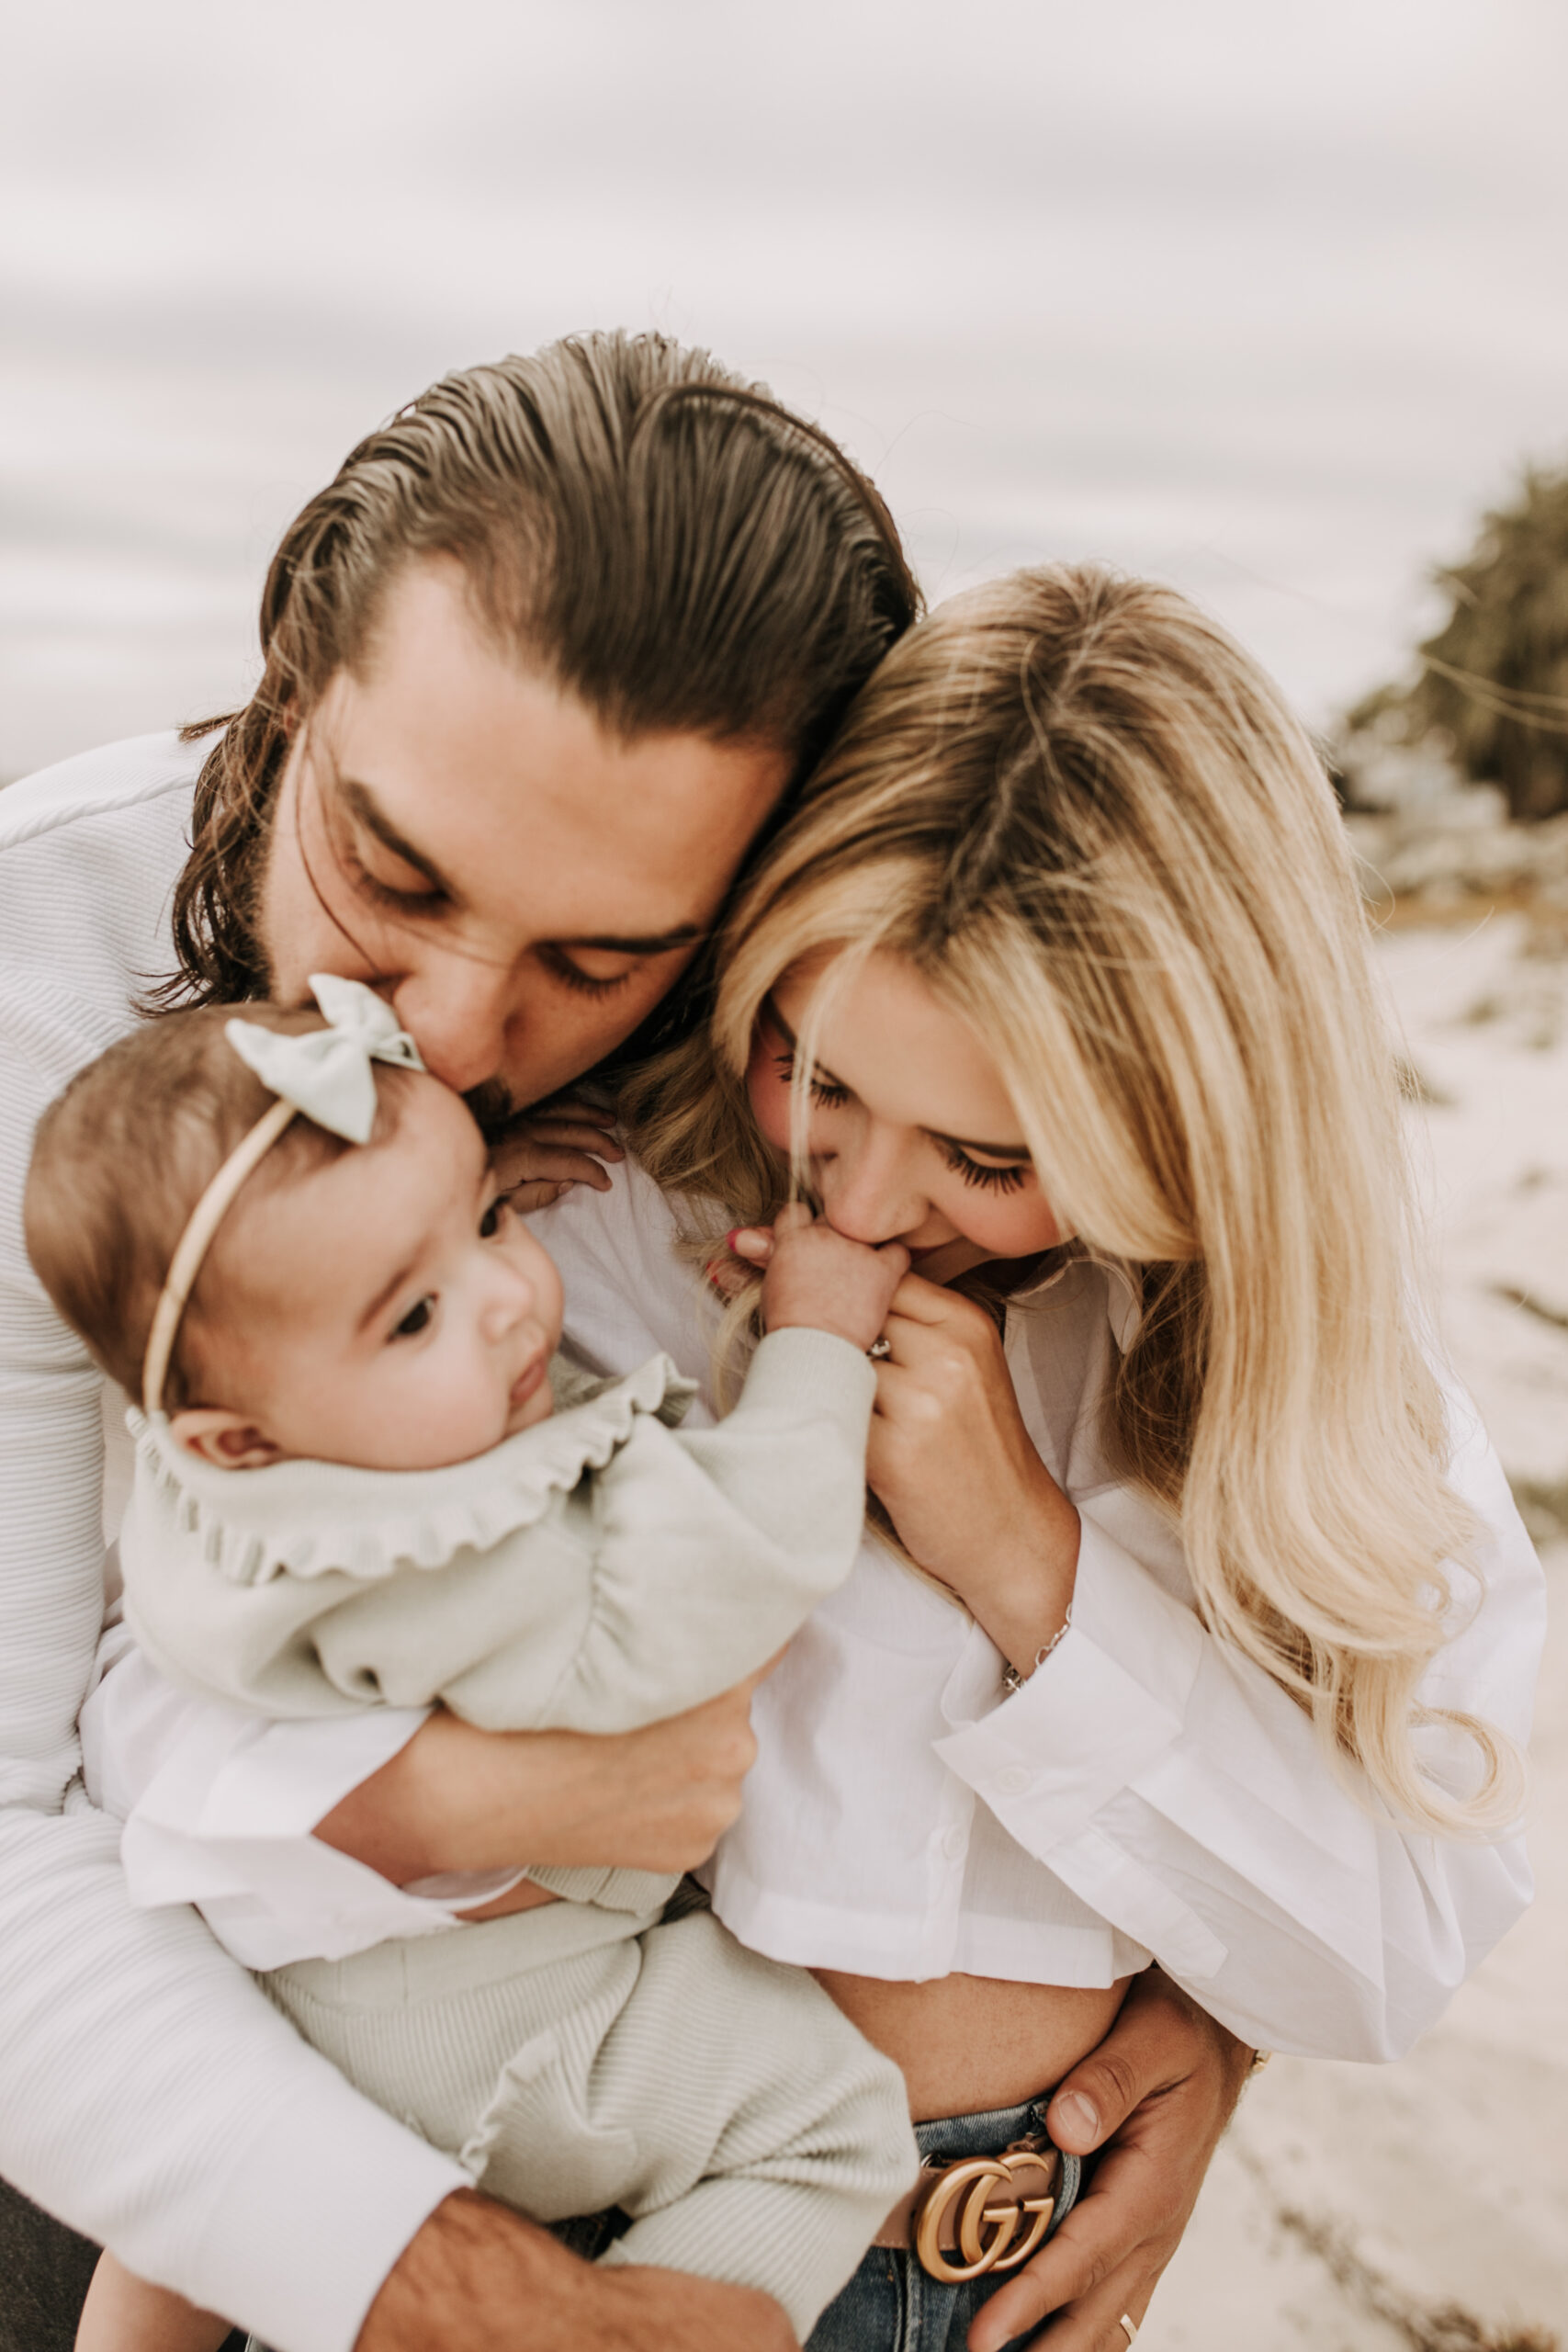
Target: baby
365, 1477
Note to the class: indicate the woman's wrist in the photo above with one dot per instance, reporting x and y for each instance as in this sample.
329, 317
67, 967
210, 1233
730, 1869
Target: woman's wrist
1023, 1591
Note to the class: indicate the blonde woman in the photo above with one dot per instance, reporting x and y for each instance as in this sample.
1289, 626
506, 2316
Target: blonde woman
1060, 976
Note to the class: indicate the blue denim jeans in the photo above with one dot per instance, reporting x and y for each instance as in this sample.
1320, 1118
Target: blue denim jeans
890, 2304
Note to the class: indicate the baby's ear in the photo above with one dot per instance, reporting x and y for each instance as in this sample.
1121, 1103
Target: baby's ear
225, 1439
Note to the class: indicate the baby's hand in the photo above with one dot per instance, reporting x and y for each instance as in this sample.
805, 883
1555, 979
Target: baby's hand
823, 1280
547, 1149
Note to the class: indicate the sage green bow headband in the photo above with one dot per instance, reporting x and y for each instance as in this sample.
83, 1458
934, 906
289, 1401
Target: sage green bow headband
323, 1075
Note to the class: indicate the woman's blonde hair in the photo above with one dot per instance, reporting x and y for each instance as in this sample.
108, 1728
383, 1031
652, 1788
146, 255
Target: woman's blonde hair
1089, 820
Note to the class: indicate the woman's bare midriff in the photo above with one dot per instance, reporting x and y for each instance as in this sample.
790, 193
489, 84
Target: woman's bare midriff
966, 2043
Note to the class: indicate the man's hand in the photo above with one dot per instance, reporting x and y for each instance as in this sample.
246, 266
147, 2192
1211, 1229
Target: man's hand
479, 2278
459, 1799
1155, 2095
554, 1144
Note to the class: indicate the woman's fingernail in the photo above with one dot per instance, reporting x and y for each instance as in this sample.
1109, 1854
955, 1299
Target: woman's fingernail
731, 1236
1082, 2111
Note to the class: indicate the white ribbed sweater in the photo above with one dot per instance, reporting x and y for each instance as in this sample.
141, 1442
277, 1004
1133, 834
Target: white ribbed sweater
149, 2094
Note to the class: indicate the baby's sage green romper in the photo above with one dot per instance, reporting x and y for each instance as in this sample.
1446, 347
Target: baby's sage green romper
597, 1573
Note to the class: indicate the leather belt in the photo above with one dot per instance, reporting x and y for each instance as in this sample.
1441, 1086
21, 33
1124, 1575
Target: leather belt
968, 2215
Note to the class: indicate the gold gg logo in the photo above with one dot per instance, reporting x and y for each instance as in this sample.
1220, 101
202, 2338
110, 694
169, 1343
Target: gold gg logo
980, 2203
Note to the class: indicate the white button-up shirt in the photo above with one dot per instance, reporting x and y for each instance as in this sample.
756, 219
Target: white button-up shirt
1148, 1792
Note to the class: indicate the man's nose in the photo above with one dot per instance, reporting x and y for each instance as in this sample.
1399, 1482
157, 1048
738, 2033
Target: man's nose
456, 1010
868, 1189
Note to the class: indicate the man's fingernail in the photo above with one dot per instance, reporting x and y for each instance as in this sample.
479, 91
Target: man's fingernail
1083, 2112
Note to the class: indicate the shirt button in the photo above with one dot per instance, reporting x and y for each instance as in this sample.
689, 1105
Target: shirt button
1012, 1780
955, 1843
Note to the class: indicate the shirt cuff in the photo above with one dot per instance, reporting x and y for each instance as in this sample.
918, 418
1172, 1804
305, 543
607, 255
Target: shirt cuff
803, 1372
318, 2209
1110, 1699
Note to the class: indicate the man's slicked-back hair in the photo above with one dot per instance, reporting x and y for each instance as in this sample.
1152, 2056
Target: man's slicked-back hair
659, 537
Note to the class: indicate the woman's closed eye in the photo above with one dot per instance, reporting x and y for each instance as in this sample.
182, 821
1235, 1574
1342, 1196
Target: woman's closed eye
1009, 1177
828, 1092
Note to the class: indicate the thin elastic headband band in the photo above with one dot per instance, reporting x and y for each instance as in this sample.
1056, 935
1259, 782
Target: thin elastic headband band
194, 1244
325, 1074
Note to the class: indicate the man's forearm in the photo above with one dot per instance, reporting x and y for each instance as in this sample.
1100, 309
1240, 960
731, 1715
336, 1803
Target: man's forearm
457, 1799
156, 2101
479, 2278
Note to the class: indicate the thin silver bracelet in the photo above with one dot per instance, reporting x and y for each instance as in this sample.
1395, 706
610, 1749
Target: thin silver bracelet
1013, 1680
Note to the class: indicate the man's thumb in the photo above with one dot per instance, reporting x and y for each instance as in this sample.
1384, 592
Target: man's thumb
1093, 2101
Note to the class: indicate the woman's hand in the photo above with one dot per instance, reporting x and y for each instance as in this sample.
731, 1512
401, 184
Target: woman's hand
457, 1799
957, 1470
552, 1146
1154, 2099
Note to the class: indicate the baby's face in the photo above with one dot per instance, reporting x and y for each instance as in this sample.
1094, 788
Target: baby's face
386, 1309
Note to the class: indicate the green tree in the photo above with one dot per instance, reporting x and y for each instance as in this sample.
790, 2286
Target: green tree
1495, 678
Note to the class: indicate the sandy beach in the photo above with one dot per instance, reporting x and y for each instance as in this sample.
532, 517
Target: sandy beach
1424, 2207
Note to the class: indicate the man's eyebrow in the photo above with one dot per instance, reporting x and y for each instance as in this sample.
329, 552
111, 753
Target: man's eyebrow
656, 942
362, 803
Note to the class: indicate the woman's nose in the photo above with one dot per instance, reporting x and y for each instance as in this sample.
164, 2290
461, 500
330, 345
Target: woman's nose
455, 1009
868, 1189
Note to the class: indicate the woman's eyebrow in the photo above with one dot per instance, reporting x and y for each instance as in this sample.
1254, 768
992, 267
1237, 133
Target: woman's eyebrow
1018, 1152
772, 1012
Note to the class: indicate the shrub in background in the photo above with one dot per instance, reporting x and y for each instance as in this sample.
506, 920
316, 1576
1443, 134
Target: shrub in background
1494, 684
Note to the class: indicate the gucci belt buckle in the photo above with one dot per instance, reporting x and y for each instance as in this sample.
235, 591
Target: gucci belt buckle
985, 2213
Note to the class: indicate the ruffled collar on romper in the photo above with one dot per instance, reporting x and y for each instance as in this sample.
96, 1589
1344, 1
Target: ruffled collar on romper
308, 1517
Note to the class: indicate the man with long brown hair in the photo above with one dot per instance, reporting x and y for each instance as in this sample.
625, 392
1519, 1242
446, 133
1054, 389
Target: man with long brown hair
541, 665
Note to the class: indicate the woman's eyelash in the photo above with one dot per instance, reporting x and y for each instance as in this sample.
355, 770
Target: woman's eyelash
824, 1090
990, 1180
832, 1094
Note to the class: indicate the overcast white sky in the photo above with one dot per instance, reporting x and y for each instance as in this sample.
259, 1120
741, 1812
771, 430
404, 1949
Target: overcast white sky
1267, 299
